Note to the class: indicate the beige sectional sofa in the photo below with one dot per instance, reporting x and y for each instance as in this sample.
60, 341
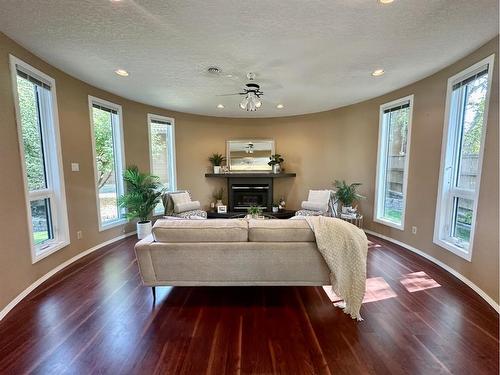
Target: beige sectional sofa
231, 252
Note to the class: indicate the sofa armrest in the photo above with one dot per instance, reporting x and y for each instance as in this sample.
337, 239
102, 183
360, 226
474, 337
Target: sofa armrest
143, 255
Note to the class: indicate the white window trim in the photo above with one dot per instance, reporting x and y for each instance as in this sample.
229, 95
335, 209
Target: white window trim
118, 108
171, 120
440, 205
381, 172
60, 214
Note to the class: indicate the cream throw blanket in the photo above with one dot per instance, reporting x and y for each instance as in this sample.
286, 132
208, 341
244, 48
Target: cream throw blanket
344, 248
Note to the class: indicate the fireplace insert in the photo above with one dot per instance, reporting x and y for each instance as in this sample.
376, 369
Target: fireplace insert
250, 192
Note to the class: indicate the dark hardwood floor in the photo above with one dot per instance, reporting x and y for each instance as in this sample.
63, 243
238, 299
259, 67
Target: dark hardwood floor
96, 318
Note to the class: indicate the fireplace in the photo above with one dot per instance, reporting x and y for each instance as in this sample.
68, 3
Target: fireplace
248, 191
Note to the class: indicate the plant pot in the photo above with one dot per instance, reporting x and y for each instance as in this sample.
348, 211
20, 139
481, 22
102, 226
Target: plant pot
276, 209
276, 168
143, 229
217, 169
346, 209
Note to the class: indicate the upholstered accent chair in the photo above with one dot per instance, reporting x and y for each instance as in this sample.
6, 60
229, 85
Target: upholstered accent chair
179, 204
319, 203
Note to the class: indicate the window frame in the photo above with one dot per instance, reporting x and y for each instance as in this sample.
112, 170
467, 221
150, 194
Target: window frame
121, 153
448, 152
52, 158
150, 118
382, 155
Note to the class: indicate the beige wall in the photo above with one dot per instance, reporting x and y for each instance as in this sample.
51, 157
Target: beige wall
321, 147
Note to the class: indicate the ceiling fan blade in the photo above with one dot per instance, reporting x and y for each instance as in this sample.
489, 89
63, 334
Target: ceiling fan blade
238, 93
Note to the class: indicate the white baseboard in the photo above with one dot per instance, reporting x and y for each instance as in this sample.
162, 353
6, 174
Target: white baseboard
52, 272
447, 268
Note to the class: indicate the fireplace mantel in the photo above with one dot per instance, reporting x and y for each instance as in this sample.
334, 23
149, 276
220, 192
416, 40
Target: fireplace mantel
251, 175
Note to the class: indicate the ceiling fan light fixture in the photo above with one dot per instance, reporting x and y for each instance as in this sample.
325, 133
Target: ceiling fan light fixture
280, 106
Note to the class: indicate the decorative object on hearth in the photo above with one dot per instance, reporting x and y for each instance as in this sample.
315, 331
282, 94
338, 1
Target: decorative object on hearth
180, 204
319, 203
142, 196
222, 209
216, 159
347, 194
218, 194
254, 212
275, 162
276, 207
282, 203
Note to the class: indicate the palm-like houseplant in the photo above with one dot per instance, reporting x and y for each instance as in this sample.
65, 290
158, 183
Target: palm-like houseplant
143, 194
347, 194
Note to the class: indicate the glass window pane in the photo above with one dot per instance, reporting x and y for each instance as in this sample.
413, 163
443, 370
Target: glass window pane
106, 166
474, 97
397, 133
161, 156
41, 221
29, 107
159, 153
462, 219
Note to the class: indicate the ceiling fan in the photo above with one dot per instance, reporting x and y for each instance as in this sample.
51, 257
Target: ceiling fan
252, 93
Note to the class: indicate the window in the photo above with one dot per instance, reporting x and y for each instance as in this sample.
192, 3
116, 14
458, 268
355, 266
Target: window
392, 163
162, 152
461, 158
107, 142
38, 131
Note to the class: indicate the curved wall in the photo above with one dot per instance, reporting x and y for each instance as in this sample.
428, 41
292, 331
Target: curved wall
338, 144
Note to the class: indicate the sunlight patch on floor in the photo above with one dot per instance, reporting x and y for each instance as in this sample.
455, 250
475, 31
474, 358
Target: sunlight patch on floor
377, 289
416, 281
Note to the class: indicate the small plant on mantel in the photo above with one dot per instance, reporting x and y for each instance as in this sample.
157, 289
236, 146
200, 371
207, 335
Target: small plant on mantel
275, 162
216, 160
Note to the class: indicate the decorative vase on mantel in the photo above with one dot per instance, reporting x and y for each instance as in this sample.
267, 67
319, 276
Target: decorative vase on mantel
276, 168
217, 169
218, 203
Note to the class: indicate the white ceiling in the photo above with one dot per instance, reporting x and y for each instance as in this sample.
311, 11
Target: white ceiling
309, 55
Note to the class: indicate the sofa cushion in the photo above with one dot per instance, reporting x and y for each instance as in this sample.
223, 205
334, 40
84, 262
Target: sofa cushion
280, 231
218, 230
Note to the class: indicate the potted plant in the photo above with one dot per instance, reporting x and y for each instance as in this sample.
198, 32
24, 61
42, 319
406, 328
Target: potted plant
254, 212
275, 162
218, 194
276, 207
142, 195
216, 159
346, 194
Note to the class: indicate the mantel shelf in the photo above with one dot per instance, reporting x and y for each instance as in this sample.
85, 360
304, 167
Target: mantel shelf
251, 175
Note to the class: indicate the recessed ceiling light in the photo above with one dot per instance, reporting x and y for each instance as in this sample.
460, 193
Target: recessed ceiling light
121, 72
385, 1
280, 106
220, 106
378, 72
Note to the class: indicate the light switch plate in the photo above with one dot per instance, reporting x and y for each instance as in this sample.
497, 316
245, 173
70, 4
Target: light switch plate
75, 167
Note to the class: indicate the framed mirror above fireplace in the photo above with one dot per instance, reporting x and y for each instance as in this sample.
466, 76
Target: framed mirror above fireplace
249, 155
